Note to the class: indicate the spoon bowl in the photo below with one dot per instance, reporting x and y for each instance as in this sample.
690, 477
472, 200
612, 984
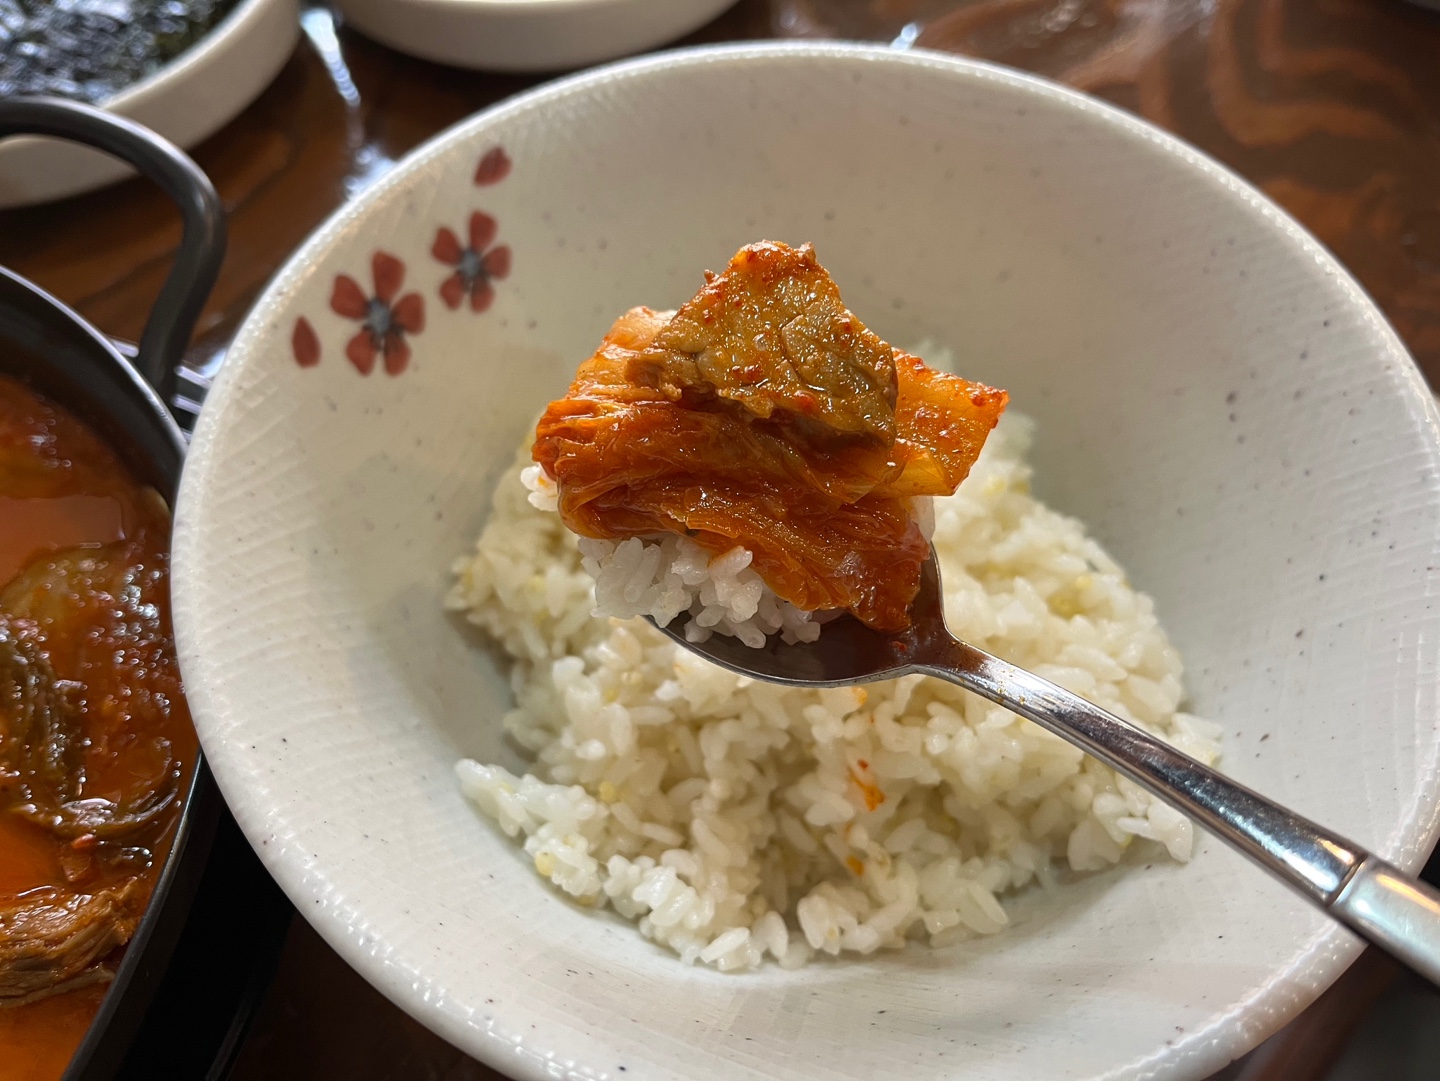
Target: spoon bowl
847, 652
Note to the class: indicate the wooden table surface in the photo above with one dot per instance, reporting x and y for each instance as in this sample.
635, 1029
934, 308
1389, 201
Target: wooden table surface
1332, 107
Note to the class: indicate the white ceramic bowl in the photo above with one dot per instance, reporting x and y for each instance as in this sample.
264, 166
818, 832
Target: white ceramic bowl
1215, 397
527, 35
187, 100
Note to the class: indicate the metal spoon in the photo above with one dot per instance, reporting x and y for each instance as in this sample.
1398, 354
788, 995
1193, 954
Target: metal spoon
1362, 891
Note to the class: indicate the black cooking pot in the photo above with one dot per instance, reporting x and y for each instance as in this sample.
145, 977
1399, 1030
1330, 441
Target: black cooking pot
208, 942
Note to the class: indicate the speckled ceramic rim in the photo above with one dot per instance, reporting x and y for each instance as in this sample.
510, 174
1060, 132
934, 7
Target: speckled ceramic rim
512, 1043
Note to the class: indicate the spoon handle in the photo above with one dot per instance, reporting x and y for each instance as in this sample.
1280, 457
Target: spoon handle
1396, 912
1368, 895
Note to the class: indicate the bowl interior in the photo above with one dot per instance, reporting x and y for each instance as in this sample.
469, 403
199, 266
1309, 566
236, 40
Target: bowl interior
1215, 399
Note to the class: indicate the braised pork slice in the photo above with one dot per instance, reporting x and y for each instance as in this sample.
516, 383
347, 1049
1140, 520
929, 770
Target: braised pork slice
52, 939
771, 334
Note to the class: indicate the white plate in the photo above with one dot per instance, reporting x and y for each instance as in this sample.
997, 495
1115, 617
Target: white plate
528, 35
187, 100
1215, 397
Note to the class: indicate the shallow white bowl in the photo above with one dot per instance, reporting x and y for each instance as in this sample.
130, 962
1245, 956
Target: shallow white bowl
527, 35
1216, 398
187, 100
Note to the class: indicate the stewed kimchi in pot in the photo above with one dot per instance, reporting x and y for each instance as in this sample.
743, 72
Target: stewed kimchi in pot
96, 743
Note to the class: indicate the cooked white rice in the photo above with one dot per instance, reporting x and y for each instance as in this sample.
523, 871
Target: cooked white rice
734, 819
664, 576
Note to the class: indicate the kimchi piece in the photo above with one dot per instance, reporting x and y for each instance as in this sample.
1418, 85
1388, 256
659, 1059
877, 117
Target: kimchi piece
764, 414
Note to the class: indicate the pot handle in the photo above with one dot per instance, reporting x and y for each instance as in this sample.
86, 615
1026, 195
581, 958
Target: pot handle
202, 241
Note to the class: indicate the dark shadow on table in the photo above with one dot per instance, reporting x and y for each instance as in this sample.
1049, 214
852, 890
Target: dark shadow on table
321, 1020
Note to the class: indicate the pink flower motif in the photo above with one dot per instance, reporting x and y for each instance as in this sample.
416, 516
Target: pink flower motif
475, 267
386, 320
305, 344
493, 168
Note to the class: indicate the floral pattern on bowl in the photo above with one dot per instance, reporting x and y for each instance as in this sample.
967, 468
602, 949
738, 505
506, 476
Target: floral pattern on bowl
389, 320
